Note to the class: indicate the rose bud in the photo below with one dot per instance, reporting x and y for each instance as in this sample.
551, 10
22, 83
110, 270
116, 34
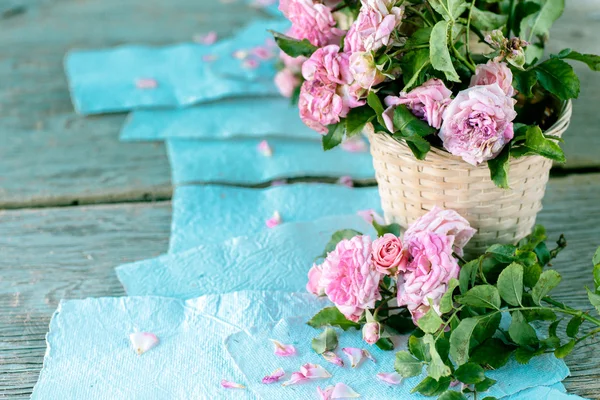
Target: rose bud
371, 332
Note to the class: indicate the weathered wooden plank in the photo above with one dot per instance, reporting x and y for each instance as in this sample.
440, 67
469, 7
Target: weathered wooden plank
51, 254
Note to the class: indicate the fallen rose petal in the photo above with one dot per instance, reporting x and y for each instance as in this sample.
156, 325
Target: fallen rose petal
343, 391
250, 63
206, 39
325, 394
371, 215
333, 358
314, 371
265, 149
354, 354
146, 83
143, 341
262, 53
274, 220
368, 355
392, 378
346, 180
296, 378
283, 350
355, 145
274, 377
231, 385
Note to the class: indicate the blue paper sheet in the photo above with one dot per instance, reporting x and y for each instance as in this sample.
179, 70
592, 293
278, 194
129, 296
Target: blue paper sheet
238, 161
105, 80
89, 355
213, 214
254, 358
265, 117
278, 259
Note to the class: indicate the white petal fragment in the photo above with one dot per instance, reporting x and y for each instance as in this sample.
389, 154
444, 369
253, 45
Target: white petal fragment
392, 378
283, 350
231, 385
143, 341
354, 354
343, 391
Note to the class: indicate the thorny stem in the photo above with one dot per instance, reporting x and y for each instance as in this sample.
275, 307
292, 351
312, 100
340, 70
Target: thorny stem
568, 310
380, 307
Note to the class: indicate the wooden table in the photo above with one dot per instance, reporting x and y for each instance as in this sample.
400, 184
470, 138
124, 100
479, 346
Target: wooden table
75, 202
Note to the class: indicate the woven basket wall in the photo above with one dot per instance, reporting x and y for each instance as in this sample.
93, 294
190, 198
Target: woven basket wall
409, 188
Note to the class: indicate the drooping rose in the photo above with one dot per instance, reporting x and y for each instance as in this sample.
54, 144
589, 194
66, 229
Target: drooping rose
365, 71
371, 332
312, 21
443, 222
320, 105
314, 285
350, 278
494, 72
327, 64
389, 256
286, 81
430, 269
376, 21
428, 102
478, 123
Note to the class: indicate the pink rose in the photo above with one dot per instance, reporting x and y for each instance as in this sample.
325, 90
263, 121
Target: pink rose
328, 65
320, 105
312, 21
376, 22
350, 279
430, 269
353, 41
364, 70
478, 123
494, 72
314, 280
427, 102
371, 332
286, 81
443, 222
353, 96
389, 256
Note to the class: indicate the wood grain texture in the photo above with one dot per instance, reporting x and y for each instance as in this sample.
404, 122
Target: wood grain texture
52, 254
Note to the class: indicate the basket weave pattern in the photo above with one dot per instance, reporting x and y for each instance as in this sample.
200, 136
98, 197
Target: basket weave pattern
409, 188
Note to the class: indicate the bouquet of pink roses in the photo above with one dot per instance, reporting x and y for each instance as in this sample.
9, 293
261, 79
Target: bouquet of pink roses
420, 284
444, 73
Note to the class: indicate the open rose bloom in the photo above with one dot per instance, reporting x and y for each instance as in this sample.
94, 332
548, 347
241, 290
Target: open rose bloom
393, 66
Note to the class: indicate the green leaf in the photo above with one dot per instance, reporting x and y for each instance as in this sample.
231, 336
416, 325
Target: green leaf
414, 64
436, 367
470, 373
374, 102
446, 304
452, 395
431, 387
419, 146
523, 9
596, 277
293, 47
481, 296
338, 236
460, 339
439, 53
538, 143
531, 275
499, 168
510, 284
326, 341
486, 20
418, 348
333, 317
523, 354
592, 60
565, 349
487, 325
485, 385
467, 275
406, 365
430, 322
521, 332
493, 353
334, 136
524, 81
385, 344
594, 300
548, 281
573, 326
409, 125
558, 77
538, 24
402, 325
543, 314
596, 258
553, 327
357, 118
381, 230
542, 253
504, 253
449, 9
532, 240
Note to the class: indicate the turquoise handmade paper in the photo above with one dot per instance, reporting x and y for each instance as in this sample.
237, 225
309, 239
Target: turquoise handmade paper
257, 117
239, 161
252, 355
213, 214
89, 355
277, 259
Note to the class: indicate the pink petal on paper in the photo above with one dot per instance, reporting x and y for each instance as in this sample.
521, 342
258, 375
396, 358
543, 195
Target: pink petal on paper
231, 385
209, 57
333, 358
346, 180
250, 63
206, 39
265, 149
283, 350
262, 53
343, 391
370, 215
368, 355
274, 220
355, 145
325, 394
274, 377
392, 378
354, 355
279, 182
240, 54
314, 371
146, 83
143, 341
297, 377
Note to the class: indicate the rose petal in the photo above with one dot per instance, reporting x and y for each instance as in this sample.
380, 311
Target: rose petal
231, 385
264, 148
392, 378
325, 394
207, 39
343, 391
333, 358
355, 145
354, 354
250, 63
368, 355
143, 341
371, 215
283, 350
314, 371
262, 52
274, 220
346, 180
274, 377
297, 377
146, 83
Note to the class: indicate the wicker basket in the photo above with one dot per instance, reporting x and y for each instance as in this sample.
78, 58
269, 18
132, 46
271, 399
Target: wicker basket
409, 188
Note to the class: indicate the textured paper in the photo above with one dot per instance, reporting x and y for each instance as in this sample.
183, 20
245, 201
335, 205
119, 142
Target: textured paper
238, 161
254, 357
278, 259
213, 214
89, 355
258, 117
105, 80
